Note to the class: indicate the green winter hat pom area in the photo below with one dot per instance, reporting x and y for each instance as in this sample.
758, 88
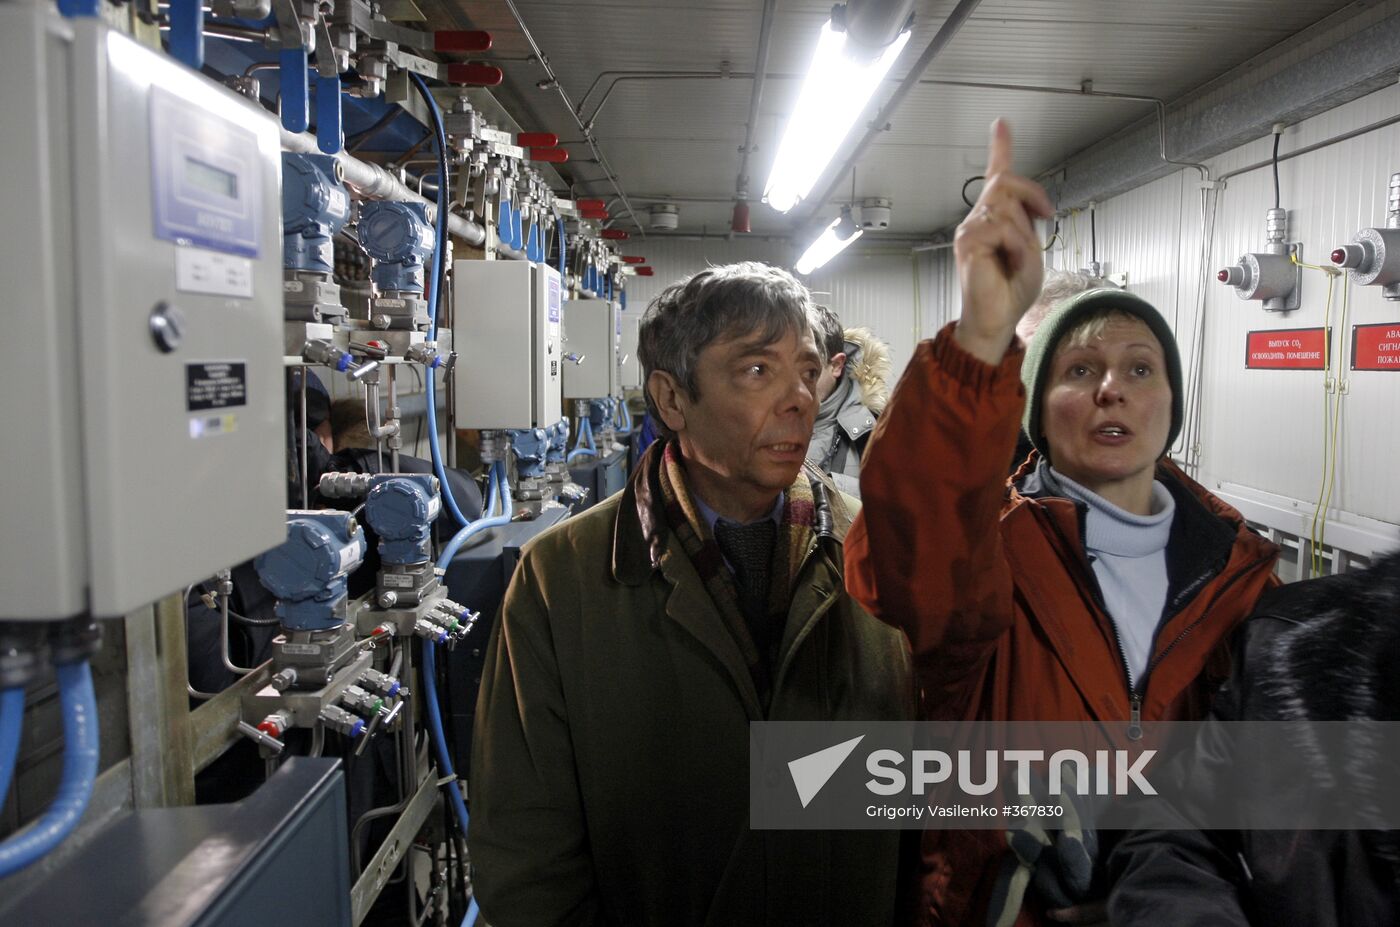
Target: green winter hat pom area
1062, 320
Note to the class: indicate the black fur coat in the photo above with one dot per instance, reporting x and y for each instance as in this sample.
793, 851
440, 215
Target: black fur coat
1322, 650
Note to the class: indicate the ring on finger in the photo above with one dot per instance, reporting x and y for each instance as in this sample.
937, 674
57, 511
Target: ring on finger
986, 213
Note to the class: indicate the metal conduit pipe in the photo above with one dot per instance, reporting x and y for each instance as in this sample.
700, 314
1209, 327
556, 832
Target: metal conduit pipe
765, 37
623, 76
644, 74
374, 182
1158, 103
553, 80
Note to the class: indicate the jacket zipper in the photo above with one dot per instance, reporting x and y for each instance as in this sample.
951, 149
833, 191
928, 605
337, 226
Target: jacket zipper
1137, 693
1135, 696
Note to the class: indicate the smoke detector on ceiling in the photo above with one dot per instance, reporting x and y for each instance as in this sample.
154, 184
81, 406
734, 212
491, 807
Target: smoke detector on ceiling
875, 213
665, 217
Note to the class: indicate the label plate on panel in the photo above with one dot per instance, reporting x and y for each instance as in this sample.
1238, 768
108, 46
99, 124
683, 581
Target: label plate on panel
206, 426
1286, 349
215, 385
1375, 347
201, 271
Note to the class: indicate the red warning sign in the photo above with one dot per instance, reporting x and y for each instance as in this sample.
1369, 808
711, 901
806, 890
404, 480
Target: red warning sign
1287, 349
1375, 347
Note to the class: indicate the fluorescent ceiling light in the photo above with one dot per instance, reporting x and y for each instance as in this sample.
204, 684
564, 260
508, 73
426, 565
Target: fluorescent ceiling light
832, 98
832, 241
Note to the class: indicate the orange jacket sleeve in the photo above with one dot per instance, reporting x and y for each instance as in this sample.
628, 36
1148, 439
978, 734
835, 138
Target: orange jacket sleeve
925, 552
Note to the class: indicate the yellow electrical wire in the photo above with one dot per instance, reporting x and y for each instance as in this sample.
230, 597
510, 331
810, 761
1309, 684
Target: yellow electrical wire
1329, 271
1336, 421
1318, 519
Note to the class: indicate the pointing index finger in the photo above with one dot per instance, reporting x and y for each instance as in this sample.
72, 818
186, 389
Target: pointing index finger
999, 149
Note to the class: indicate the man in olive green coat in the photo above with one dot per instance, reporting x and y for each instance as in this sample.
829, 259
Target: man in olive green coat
638, 641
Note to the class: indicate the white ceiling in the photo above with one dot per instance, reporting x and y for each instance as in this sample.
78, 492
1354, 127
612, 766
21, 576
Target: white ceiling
680, 137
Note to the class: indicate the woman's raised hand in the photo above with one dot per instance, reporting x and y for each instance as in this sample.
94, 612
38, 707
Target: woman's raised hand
998, 253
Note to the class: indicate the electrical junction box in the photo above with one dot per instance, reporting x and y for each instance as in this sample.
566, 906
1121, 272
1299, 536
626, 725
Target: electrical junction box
629, 364
142, 263
509, 352
590, 334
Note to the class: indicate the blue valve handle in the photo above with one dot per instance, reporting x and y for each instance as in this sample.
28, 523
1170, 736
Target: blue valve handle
517, 235
562, 239
187, 32
330, 134
532, 243
503, 221
294, 71
72, 8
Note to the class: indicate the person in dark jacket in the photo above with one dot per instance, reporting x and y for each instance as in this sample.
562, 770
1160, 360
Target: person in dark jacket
1100, 584
853, 390
1320, 650
639, 640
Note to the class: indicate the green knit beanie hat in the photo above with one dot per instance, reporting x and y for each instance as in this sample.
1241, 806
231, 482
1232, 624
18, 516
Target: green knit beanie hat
1063, 319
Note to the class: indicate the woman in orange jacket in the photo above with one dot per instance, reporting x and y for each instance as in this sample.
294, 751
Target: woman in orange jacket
1099, 584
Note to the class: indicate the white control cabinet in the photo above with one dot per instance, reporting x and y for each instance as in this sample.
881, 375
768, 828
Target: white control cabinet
145, 421
507, 320
590, 333
629, 364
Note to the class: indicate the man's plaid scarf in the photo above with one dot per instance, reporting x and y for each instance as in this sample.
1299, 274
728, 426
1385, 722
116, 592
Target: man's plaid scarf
796, 535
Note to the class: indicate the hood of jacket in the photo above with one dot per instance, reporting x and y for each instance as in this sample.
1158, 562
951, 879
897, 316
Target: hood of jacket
868, 366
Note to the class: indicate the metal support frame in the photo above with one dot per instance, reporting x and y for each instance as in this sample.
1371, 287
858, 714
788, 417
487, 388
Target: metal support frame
382, 864
162, 743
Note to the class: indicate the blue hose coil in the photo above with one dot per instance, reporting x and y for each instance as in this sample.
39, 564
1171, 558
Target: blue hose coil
11, 724
79, 773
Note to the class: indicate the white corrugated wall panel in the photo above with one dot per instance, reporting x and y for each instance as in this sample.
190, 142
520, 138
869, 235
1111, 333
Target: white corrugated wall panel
1265, 429
871, 288
1262, 430
940, 298
876, 291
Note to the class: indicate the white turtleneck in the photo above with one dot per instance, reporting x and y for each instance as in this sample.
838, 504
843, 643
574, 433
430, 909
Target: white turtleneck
1129, 556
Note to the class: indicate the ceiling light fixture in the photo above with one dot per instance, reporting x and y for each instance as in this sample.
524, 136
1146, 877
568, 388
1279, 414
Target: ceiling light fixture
834, 239
834, 93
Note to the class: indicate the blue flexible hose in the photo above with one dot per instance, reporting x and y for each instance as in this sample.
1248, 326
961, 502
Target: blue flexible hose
585, 433
482, 524
79, 773
435, 296
454, 794
498, 493
11, 723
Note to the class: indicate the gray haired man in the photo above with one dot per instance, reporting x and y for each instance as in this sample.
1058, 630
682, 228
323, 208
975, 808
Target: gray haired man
638, 641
